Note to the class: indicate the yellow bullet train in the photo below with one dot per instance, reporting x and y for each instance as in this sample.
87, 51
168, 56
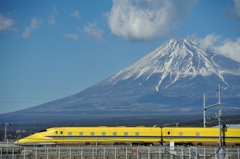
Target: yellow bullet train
120, 135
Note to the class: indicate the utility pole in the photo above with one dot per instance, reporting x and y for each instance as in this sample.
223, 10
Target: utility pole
204, 110
5, 131
219, 115
220, 149
219, 112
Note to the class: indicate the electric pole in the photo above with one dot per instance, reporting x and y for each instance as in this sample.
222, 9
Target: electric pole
5, 131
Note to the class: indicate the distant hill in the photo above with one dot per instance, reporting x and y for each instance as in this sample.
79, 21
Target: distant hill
169, 81
229, 121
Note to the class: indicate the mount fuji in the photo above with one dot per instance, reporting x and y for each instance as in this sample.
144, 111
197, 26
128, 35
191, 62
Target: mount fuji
180, 60
169, 80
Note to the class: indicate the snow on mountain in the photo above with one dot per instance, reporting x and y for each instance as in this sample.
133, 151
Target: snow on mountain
178, 58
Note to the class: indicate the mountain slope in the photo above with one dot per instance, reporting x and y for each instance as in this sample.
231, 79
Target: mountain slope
176, 59
171, 79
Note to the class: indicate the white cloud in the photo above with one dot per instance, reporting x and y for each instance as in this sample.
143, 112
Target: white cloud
237, 7
93, 32
76, 14
208, 41
143, 20
73, 37
5, 23
51, 20
35, 23
228, 47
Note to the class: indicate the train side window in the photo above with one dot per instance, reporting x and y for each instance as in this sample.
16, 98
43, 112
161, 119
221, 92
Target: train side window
125, 133
69, 133
168, 133
61, 132
92, 133
56, 132
103, 133
81, 133
114, 133
137, 133
180, 133
197, 133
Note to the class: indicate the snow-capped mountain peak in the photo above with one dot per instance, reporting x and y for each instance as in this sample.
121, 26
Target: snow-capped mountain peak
177, 58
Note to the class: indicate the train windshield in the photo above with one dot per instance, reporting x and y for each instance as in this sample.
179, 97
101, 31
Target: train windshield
42, 131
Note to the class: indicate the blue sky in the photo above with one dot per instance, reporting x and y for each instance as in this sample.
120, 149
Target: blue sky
53, 49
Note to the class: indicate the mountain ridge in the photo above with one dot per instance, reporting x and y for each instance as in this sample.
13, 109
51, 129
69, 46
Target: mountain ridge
170, 79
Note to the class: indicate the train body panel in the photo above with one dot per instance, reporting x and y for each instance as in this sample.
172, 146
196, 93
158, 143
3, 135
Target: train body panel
131, 135
101, 135
97, 135
200, 136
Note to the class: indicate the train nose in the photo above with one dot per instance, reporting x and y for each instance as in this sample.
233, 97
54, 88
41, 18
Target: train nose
17, 142
22, 142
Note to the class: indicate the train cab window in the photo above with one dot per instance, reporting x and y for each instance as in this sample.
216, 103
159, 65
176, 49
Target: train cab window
92, 133
114, 133
197, 133
56, 132
81, 133
168, 132
42, 131
61, 132
69, 133
125, 133
137, 133
180, 133
103, 133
